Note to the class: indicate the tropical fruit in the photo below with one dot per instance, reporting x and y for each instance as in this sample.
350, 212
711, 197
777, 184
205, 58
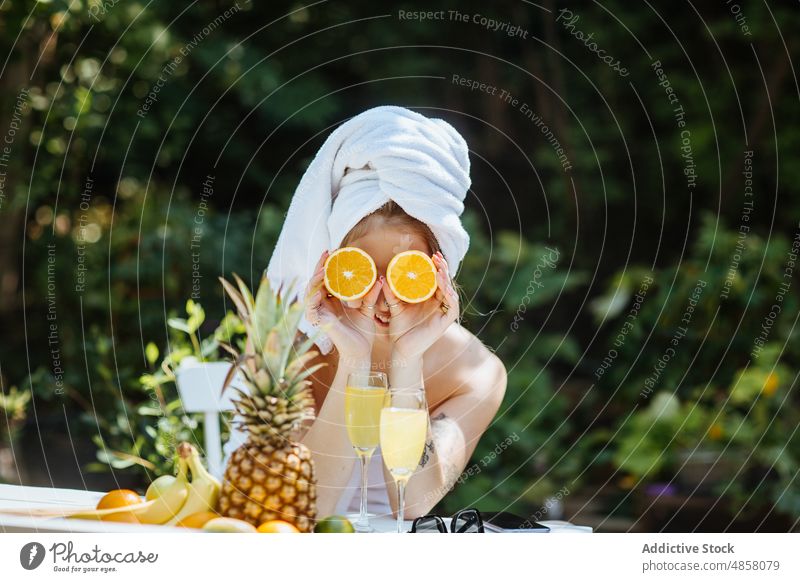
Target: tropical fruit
158, 486
202, 491
411, 276
197, 520
349, 273
228, 525
271, 476
277, 526
165, 498
334, 524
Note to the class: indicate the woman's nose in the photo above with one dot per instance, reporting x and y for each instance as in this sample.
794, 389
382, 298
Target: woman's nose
380, 303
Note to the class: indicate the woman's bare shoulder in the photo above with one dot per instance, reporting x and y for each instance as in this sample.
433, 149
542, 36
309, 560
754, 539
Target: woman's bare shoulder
464, 359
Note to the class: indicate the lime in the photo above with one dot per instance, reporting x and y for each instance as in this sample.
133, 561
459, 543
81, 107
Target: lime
334, 524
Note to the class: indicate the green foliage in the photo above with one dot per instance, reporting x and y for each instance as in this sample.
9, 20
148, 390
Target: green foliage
747, 421
147, 435
13, 412
718, 391
709, 352
520, 460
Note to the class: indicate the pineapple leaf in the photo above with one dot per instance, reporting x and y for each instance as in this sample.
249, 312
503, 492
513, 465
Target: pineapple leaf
237, 299
298, 364
271, 352
288, 329
265, 313
301, 377
304, 345
243, 396
247, 296
230, 349
235, 368
276, 363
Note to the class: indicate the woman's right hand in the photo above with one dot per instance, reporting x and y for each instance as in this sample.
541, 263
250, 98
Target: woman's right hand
350, 325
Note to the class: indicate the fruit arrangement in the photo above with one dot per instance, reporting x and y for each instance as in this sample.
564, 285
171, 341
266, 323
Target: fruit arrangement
269, 484
169, 499
190, 499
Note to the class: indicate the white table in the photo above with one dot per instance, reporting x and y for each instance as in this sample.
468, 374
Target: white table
24, 497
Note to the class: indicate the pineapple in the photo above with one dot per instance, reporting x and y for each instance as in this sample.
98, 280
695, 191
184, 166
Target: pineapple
270, 476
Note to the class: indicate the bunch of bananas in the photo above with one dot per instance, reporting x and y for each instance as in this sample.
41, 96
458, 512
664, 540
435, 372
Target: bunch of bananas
169, 499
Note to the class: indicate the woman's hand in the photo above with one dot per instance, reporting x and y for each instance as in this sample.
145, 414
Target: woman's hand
350, 325
414, 327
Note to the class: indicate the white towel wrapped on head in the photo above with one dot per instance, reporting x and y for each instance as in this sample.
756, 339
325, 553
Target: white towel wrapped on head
386, 153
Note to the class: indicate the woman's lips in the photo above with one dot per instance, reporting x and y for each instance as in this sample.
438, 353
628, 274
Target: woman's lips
380, 322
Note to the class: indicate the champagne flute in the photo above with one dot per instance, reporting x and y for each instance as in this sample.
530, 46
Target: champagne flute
364, 397
404, 425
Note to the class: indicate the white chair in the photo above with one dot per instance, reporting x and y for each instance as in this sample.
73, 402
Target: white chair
200, 387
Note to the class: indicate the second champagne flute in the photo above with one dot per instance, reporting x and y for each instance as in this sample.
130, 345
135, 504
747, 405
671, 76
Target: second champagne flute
364, 396
404, 425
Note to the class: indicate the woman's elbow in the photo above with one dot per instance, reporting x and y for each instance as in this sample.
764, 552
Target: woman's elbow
498, 382
423, 504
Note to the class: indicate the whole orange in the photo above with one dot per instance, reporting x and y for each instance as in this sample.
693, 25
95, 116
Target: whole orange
197, 520
119, 498
121, 517
277, 526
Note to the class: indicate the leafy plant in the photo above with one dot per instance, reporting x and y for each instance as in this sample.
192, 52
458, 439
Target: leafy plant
746, 426
722, 391
13, 412
148, 437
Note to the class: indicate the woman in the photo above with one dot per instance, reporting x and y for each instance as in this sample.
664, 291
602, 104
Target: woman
386, 181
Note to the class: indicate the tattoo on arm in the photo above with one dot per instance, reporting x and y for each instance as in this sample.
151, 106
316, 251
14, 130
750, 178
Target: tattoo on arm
429, 447
426, 453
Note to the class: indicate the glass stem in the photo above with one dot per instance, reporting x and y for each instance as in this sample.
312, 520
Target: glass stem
401, 503
363, 518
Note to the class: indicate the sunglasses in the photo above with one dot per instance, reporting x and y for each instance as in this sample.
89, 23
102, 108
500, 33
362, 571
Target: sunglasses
465, 521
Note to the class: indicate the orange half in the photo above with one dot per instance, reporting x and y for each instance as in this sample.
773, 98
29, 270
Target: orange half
412, 276
349, 273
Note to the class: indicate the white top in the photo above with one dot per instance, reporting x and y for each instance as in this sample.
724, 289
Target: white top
377, 496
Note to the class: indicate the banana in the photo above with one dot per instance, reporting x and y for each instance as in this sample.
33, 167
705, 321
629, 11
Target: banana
99, 514
169, 503
154, 511
204, 488
158, 486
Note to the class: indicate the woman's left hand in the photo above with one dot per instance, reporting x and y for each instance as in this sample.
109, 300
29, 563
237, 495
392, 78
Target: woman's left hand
414, 327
